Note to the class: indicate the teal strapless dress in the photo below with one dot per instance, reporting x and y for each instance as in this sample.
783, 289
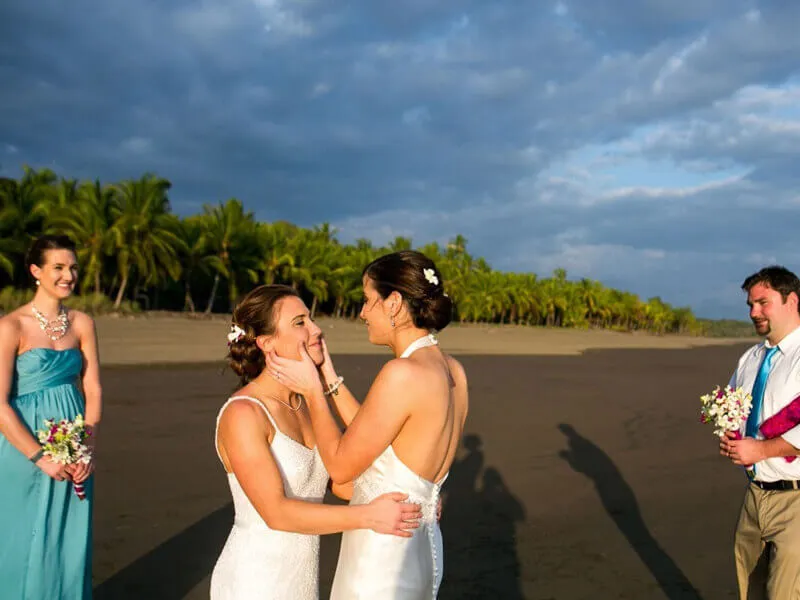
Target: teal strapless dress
45, 530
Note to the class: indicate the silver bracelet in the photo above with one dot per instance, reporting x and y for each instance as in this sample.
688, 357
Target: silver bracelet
333, 389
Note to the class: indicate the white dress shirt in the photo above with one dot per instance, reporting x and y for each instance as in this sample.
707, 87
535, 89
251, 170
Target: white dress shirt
783, 386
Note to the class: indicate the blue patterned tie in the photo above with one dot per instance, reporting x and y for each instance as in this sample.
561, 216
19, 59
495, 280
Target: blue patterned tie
754, 419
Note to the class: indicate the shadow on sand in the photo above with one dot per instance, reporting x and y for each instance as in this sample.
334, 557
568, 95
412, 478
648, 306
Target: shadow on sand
479, 518
620, 503
173, 569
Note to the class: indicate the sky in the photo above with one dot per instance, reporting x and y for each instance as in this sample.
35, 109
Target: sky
648, 144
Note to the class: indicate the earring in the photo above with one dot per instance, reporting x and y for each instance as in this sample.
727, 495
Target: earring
391, 321
38, 282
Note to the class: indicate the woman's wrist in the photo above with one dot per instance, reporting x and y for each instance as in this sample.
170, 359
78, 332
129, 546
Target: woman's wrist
364, 517
315, 393
36, 456
328, 374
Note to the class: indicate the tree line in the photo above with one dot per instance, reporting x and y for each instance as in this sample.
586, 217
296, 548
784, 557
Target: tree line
135, 252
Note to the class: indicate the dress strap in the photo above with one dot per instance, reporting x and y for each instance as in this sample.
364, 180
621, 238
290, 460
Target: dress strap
423, 342
224, 406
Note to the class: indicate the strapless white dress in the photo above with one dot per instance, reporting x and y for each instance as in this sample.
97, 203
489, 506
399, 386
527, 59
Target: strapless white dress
259, 563
373, 566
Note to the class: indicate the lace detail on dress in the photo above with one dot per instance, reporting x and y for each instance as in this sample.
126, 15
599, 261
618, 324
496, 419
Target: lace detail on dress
260, 563
371, 488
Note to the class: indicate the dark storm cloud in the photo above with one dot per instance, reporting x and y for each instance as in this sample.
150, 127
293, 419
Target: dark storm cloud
430, 118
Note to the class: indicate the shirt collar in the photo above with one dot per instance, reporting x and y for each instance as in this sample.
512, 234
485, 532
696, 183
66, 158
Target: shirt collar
789, 342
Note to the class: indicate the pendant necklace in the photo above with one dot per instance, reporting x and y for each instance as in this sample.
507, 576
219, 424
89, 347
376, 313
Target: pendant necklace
286, 404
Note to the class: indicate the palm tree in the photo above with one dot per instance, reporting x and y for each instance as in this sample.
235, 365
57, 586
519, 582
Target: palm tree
145, 234
87, 220
309, 267
273, 241
196, 256
8, 250
233, 240
24, 204
400, 243
127, 237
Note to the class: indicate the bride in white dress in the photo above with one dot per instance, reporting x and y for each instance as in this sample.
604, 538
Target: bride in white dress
265, 441
404, 436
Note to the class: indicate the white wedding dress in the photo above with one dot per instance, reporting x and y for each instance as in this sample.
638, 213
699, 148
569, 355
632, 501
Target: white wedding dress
373, 566
259, 563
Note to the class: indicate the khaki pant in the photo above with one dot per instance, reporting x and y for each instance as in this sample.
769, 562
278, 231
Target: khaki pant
772, 518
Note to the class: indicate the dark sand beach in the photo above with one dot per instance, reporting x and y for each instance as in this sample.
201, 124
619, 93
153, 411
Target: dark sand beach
582, 476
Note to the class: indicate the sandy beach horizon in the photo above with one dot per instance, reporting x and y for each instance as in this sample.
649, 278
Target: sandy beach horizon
154, 338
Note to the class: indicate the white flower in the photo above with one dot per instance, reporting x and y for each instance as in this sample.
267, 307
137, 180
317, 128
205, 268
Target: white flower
430, 275
726, 409
235, 334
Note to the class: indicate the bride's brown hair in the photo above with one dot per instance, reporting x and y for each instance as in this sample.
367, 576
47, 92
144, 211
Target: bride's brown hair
415, 277
255, 315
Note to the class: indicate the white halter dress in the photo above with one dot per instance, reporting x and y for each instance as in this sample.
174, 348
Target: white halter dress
259, 563
374, 566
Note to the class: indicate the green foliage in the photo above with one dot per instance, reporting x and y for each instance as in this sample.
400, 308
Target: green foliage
93, 304
100, 304
12, 298
132, 248
727, 328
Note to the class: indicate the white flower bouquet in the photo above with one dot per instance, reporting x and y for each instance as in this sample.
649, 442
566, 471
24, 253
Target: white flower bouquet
63, 443
726, 409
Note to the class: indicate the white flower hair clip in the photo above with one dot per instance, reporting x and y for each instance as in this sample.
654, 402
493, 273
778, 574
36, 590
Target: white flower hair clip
430, 275
236, 333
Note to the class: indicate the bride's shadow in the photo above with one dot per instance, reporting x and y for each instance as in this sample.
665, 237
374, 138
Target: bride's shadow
479, 519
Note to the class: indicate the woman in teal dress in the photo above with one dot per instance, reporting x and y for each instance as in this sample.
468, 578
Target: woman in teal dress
48, 370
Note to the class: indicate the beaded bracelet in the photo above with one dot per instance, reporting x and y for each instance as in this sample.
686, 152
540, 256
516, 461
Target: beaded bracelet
333, 389
35, 458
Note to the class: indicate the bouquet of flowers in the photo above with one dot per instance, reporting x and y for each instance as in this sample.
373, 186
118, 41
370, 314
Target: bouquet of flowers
63, 442
726, 409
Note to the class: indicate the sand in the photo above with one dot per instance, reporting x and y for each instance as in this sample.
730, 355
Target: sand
584, 475
157, 339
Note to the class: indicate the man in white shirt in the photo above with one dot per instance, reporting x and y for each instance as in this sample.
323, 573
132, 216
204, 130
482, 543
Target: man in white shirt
771, 509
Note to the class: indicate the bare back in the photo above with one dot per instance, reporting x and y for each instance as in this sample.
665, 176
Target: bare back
438, 402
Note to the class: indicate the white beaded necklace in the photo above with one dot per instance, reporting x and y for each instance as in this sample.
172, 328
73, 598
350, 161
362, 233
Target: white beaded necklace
55, 329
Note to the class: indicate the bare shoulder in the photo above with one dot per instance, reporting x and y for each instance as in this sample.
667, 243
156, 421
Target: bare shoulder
457, 371
243, 415
11, 328
397, 382
406, 375
398, 370
81, 322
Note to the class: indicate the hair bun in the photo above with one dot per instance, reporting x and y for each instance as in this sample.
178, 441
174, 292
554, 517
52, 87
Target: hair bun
417, 279
435, 312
